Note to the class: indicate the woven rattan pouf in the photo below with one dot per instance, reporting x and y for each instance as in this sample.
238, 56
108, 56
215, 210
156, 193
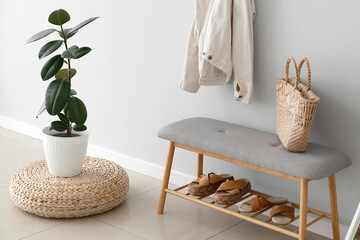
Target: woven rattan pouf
101, 186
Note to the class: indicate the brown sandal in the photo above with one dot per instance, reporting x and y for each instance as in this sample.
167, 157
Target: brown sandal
207, 184
231, 192
258, 203
282, 214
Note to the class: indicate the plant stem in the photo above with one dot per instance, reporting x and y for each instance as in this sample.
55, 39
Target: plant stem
68, 130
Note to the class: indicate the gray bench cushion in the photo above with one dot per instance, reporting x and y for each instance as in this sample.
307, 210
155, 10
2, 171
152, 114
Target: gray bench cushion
253, 146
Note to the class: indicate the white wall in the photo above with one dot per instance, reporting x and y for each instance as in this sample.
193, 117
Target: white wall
130, 81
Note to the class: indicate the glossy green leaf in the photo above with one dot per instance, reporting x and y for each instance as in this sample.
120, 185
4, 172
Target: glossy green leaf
82, 51
77, 110
41, 109
49, 48
82, 24
67, 34
59, 17
75, 52
57, 95
63, 118
72, 92
51, 67
70, 52
64, 73
58, 126
41, 35
79, 129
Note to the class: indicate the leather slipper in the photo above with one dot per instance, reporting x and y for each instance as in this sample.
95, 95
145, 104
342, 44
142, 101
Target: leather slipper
258, 203
231, 191
207, 184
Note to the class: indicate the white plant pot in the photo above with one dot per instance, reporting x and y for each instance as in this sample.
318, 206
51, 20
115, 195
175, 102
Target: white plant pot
65, 155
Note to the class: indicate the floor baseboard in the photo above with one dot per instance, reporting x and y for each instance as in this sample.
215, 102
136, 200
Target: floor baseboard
138, 165
20, 127
323, 227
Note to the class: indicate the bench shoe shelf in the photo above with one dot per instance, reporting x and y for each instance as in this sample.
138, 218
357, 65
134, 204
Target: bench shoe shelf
299, 233
260, 151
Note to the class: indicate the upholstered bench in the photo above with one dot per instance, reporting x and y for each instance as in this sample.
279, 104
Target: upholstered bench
257, 150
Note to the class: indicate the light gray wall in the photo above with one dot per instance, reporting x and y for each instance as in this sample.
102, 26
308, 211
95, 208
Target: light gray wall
130, 81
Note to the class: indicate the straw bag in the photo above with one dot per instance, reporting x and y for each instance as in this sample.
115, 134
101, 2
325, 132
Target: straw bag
296, 107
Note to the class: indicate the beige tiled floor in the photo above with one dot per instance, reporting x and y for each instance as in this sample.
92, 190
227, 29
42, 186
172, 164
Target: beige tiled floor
135, 218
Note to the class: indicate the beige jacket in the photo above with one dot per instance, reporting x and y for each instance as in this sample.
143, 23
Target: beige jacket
221, 42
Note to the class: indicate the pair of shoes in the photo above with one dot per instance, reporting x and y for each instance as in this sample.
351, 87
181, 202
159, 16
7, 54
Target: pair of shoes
227, 190
281, 212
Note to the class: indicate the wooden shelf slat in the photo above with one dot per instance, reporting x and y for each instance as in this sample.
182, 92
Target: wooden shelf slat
313, 211
260, 212
179, 188
268, 220
202, 197
235, 214
312, 222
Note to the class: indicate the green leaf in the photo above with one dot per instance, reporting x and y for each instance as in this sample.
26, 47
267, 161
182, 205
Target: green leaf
64, 73
67, 34
82, 51
57, 95
59, 17
72, 92
82, 24
51, 67
42, 108
58, 126
75, 52
63, 118
41, 35
49, 48
70, 52
77, 110
79, 129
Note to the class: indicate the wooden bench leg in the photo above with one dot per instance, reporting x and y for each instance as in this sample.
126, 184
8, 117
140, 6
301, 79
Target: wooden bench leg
334, 209
303, 208
165, 183
200, 165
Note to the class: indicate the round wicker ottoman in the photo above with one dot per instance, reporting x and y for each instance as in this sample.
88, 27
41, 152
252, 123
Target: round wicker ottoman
101, 186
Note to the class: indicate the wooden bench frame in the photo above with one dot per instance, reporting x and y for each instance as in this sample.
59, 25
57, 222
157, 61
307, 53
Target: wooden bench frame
299, 233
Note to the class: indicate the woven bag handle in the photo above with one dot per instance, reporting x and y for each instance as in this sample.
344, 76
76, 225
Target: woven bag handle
291, 59
308, 73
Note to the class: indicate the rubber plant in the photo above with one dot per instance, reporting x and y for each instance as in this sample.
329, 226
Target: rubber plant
60, 98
